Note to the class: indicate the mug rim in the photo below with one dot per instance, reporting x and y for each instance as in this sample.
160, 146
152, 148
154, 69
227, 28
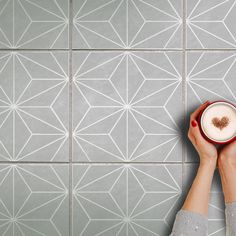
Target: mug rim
201, 121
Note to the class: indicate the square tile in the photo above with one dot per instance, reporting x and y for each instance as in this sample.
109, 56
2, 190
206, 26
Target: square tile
210, 24
127, 106
210, 76
216, 215
125, 199
34, 106
127, 24
34, 200
34, 24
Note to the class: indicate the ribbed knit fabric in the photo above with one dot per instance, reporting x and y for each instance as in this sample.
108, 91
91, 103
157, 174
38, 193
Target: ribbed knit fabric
189, 223
230, 214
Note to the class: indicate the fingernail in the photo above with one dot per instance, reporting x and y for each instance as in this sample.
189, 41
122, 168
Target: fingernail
194, 123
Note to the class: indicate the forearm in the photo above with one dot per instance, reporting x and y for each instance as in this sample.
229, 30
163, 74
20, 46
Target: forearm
228, 178
192, 219
198, 196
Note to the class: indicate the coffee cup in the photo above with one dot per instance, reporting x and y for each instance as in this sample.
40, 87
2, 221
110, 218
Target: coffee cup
218, 122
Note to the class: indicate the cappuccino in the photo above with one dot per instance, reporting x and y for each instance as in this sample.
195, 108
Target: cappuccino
218, 121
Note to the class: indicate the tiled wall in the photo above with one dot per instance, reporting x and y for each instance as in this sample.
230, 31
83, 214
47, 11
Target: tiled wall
94, 103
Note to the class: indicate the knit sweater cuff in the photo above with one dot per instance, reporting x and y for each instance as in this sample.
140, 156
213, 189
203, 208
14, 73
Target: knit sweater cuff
190, 223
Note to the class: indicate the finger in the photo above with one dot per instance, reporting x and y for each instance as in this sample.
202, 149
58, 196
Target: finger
195, 114
197, 135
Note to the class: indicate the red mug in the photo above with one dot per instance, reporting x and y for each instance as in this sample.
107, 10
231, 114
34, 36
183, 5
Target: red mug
199, 119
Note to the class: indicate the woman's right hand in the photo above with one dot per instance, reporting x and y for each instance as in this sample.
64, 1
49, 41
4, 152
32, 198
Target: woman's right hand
207, 151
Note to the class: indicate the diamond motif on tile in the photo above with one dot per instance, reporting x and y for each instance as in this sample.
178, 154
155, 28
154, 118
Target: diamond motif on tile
33, 24
33, 106
127, 106
124, 200
127, 24
210, 24
211, 76
33, 200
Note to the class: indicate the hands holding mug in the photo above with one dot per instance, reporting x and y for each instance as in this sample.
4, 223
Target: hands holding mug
224, 157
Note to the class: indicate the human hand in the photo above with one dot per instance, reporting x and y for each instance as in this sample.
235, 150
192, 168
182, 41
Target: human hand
207, 151
227, 156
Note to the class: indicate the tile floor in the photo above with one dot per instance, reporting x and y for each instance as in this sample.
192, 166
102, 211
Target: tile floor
94, 104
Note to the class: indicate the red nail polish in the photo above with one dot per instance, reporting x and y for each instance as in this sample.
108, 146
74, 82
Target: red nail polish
194, 123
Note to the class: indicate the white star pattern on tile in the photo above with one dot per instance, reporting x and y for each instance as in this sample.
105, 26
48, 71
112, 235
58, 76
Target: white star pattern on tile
33, 106
105, 203
32, 23
127, 24
96, 87
211, 76
125, 109
29, 209
210, 24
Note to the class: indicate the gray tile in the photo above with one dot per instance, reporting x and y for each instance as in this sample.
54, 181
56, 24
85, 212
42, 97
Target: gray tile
210, 76
127, 106
34, 24
34, 200
33, 106
210, 24
216, 216
127, 24
125, 199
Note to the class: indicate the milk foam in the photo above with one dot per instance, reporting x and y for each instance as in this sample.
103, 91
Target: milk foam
219, 110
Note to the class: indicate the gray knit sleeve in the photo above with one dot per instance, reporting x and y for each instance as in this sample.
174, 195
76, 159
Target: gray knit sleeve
189, 223
230, 213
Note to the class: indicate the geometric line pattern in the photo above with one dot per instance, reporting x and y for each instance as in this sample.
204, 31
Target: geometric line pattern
210, 24
33, 106
210, 76
34, 200
125, 121
127, 107
127, 24
104, 202
33, 24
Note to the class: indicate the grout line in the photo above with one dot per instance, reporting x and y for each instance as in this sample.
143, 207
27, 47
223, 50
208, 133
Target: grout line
184, 91
70, 51
121, 50
33, 49
211, 50
70, 116
89, 163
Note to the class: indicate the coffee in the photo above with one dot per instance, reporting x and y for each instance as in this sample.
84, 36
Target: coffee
218, 121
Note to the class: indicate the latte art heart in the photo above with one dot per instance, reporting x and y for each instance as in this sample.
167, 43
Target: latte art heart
220, 123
